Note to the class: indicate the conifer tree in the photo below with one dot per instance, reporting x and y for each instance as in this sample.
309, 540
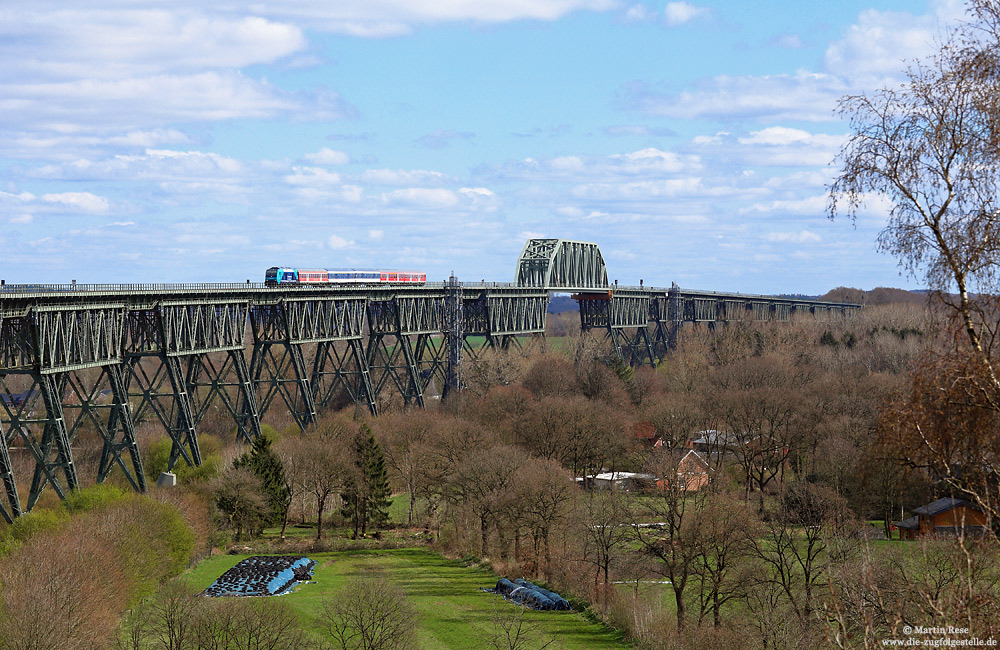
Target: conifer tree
261, 460
366, 497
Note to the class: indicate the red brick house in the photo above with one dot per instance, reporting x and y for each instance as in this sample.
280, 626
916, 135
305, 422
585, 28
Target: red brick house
693, 473
946, 516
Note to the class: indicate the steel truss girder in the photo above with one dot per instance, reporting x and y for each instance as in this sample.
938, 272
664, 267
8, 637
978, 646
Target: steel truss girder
560, 264
17, 344
407, 314
620, 310
502, 315
75, 337
189, 327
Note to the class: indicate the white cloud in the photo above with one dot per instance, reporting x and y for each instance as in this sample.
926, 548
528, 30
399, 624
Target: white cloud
376, 234
639, 191
313, 176
414, 177
678, 13
805, 96
337, 242
776, 135
327, 156
803, 237
639, 13
653, 161
105, 42
875, 47
21, 219
80, 200
135, 103
421, 197
813, 205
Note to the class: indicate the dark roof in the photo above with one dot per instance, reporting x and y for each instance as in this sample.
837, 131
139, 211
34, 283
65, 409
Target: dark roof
713, 437
942, 505
910, 524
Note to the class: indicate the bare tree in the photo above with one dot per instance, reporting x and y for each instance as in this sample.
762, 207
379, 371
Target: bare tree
320, 462
666, 540
604, 515
370, 613
484, 481
758, 398
719, 534
792, 541
545, 491
512, 629
930, 146
239, 496
406, 442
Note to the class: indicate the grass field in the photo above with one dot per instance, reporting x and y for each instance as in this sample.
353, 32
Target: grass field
453, 612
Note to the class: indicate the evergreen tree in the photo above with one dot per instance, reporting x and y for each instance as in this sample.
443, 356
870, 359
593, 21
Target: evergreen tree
261, 460
366, 495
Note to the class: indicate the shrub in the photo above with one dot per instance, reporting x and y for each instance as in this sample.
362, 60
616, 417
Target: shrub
27, 526
158, 456
95, 497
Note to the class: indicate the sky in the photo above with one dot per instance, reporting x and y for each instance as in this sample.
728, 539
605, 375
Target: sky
183, 141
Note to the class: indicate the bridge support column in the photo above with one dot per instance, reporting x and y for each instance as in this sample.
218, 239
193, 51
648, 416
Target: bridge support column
52, 452
344, 368
284, 375
101, 401
396, 363
455, 334
227, 382
120, 417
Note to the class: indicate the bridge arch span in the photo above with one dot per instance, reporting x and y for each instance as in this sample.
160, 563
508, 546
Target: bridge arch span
561, 265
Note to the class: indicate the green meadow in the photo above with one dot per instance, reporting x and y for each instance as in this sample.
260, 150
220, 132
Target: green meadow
453, 611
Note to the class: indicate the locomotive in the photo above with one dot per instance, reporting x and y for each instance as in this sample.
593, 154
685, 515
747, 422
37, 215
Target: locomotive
285, 276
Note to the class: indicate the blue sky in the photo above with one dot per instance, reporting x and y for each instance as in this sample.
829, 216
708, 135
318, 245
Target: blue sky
145, 141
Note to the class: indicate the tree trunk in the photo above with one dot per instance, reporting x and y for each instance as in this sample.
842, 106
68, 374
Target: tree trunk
484, 531
679, 600
319, 517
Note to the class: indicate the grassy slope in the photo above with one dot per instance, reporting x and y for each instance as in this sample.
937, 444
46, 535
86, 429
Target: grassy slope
453, 611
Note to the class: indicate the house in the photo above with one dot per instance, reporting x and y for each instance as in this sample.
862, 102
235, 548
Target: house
693, 473
619, 480
947, 516
645, 434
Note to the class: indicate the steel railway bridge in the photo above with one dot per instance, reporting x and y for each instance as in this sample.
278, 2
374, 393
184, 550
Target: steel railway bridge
76, 358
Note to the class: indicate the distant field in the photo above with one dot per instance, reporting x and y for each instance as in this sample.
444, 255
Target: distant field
453, 611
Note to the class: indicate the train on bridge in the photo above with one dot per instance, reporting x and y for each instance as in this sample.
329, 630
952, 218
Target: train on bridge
107, 357
288, 276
